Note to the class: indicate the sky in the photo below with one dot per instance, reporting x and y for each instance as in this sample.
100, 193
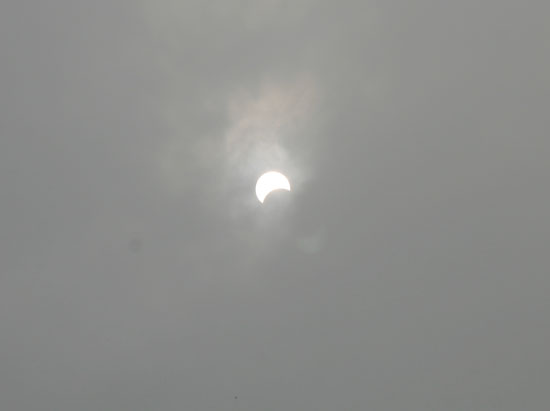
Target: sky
408, 268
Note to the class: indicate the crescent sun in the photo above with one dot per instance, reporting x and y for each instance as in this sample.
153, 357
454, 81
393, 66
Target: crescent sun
270, 181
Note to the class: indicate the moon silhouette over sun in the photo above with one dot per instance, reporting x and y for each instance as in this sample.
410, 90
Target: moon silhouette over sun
271, 181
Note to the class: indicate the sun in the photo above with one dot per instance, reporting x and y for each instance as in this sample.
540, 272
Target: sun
270, 181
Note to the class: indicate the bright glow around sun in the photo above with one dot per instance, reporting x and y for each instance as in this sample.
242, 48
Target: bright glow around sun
270, 181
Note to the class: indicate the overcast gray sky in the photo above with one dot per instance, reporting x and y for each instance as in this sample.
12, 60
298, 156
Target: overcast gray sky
408, 268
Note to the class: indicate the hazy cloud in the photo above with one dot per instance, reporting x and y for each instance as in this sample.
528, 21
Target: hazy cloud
406, 270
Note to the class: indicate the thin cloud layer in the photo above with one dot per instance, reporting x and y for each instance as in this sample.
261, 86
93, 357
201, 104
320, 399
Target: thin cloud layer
406, 270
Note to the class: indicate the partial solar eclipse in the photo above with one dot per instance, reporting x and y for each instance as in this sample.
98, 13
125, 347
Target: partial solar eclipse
270, 181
